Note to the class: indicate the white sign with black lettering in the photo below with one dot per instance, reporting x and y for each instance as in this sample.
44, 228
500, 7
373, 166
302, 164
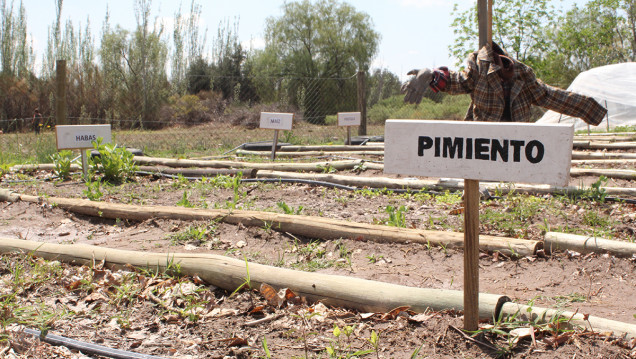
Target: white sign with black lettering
277, 121
491, 151
349, 118
70, 137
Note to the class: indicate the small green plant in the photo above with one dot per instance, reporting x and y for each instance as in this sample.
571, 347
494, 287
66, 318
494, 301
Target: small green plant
92, 191
268, 355
185, 201
247, 282
596, 192
115, 163
397, 216
339, 350
194, 234
289, 210
62, 161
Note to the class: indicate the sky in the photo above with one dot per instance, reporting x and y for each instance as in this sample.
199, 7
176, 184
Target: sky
414, 33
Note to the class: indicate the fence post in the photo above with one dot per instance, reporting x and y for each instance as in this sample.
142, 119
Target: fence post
362, 103
60, 97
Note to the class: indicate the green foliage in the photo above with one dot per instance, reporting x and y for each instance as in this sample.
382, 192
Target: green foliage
397, 216
62, 161
596, 192
516, 28
448, 107
185, 201
340, 348
323, 39
289, 210
92, 191
115, 163
194, 234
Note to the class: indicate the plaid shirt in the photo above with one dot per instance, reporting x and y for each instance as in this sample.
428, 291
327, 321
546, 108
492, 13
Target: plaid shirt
483, 83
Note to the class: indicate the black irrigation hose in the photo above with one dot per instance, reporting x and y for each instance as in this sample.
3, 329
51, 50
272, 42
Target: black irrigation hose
88, 348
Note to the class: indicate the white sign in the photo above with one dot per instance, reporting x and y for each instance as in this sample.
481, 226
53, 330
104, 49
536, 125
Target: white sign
348, 118
277, 121
493, 151
80, 136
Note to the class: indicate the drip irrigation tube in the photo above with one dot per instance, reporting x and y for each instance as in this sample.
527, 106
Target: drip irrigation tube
88, 348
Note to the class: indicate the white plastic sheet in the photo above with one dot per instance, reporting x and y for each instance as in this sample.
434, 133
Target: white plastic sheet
613, 86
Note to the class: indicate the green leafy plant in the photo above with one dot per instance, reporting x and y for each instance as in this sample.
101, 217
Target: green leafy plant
92, 191
62, 161
397, 216
596, 192
288, 209
340, 350
115, 163
185, 201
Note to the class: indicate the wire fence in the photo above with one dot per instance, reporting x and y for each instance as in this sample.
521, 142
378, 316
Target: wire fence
208, 123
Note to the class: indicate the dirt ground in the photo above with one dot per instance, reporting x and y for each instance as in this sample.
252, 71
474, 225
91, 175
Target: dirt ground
597, 284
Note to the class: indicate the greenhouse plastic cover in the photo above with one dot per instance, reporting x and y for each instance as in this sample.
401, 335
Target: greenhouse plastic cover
613, 86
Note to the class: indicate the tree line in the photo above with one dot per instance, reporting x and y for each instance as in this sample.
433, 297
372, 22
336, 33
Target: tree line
150, 77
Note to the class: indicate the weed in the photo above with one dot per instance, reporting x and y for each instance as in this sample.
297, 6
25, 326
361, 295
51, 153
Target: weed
92, 191
338, 349
247, 282
185, 201
289, 210
194, 234
397, 216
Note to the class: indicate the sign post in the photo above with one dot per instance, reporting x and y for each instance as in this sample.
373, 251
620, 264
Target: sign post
515, 152
348, 119
81, 137
276, 121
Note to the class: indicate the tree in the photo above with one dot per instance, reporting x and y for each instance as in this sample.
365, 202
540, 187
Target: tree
134, 69
382, 84
516, 28
318, 40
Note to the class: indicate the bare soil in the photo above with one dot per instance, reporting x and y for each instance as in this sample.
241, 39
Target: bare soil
597, 284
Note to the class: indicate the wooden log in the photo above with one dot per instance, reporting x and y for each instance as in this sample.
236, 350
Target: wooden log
587, 244
572, 320
306, 226
439, 184
328, 148
229, 273
199, 172
373, 182
278, 166
629, 138
609, 173
604, 162
41, 167
606, 145
581, 155
309, 153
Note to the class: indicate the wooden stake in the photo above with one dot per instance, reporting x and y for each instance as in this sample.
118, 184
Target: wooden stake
471, 254
471, 205
274, 144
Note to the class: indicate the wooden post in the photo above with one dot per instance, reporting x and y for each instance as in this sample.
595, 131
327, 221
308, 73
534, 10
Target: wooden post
348, 135
471, 254
362, 103
471, 205
60, 97
274, 144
